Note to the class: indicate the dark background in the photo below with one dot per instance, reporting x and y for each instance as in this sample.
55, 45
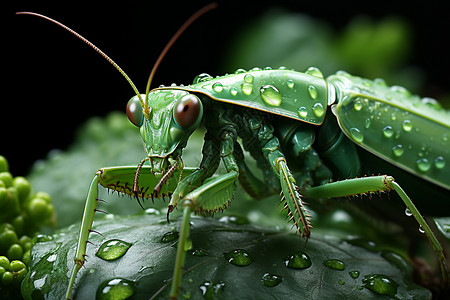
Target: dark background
54, 82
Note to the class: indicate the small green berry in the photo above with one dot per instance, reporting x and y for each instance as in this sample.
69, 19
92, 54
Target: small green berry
18, 224
15, 251
26, 258
25, 242
4, 262
44, 196
3, 194
23, 188
17, 265
7, 178
37, 208
7, 278
3, 164
7, 238
2, 271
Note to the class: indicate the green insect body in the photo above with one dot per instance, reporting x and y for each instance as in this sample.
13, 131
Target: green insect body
305, 132
282, 119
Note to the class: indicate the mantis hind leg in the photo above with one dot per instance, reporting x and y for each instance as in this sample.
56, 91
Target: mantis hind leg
86, 224
370, 184
183, 246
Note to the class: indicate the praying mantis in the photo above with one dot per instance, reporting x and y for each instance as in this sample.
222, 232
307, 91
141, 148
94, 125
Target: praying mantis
279, 115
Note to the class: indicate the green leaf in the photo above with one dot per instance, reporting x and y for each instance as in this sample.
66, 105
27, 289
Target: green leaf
443, 225
226, 261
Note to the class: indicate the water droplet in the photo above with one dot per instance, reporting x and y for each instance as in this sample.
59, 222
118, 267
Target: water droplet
408, 213
290, 83
421, 230
271, 95
212, 290
256, 69
398, 150
439, 162
380, 81
202, 78
400, 90
367, 123
380, 284
152, 212
239, 71
233, 91
356, 134
407, 125
117, 288
239, 257
341, 282
313, 71
423, 164
248, 78
169, 237
302, 112
334, 264
199, 252
358, 105
312, 91
112, 249
354, 274
238, 220
217, 87
318, 110
388, 131
299, 260
271, 280
246, 88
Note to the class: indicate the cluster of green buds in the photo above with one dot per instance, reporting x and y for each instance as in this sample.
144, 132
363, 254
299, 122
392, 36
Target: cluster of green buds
22, 213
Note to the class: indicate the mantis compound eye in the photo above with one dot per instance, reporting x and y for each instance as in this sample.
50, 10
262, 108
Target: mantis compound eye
134, 111
187, 111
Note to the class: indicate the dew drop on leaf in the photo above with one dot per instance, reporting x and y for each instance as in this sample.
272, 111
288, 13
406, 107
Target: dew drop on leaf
271, 95
299, 260
238, 257
380, 284
312, 91
112, 249
116, 288
354, 274
217, 87
356, 134
248, 78
212, 290
408, 213
169, 237
271, 280
318, 110
334, 264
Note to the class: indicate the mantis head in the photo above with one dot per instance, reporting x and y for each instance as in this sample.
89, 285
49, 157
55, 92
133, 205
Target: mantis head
165, 126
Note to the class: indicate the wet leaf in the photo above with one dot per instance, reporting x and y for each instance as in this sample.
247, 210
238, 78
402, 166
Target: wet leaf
266, 257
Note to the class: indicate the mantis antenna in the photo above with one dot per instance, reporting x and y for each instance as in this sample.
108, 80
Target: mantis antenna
177, 34
144, 104
92, 46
